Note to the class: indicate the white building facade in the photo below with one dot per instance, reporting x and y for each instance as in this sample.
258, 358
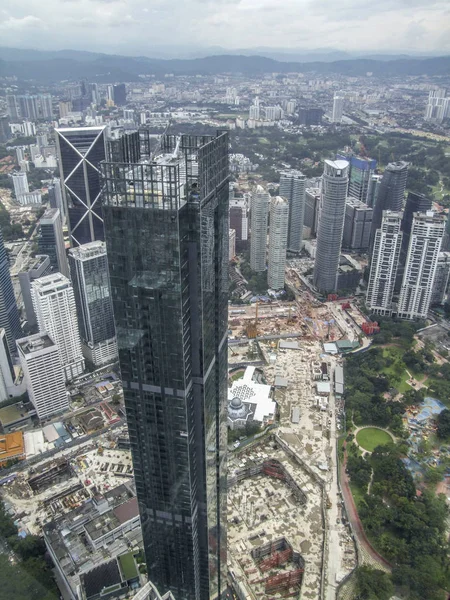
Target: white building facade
421, 264
338, 108
278, 238
54, 305
44, 375
258, 228
385, 260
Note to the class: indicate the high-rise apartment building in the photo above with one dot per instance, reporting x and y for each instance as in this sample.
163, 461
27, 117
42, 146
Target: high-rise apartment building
46, 106
357, 225
39, 267
239, 222
331, 224
90, 279
12, 107
391, 193
278, 240
338, 108
166, 225
80, 152
292, 187
384, 264
438, 106
51, 240
20, 182
41, 363
441, 279
259, 210
416, 292
312, 205
9, 314
56, 313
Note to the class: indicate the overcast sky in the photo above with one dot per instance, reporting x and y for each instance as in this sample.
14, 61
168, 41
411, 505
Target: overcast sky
135, 26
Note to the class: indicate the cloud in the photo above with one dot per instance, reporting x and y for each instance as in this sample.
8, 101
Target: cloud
137, 26
24, 23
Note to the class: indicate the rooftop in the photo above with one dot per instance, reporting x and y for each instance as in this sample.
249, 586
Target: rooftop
88, 251
11, 446
35, 343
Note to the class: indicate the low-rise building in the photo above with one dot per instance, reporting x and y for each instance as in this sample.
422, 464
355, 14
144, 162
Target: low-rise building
11, 447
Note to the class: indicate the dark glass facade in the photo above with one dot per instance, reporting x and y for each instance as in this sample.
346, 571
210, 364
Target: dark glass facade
166, 227
80, 151
9, 314
90, 279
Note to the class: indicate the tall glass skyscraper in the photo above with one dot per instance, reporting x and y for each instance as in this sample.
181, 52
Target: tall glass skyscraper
166, 224
331, 224
90, 279
292, 187
80, 151
9, 314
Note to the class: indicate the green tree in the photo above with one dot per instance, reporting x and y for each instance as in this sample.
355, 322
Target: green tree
372, 584
443, 424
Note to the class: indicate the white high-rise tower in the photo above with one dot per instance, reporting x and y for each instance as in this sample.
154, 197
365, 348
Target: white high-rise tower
421, 263
258, 223
385, 259
278, 235
54, 305
338, 108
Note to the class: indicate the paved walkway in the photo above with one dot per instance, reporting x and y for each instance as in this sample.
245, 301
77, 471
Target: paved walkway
369, 554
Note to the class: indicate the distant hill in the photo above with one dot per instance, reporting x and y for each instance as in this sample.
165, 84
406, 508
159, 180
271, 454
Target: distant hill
54, 66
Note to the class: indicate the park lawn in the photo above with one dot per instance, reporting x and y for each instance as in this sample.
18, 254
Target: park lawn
264, 141
238, 375
398, 381
370, 437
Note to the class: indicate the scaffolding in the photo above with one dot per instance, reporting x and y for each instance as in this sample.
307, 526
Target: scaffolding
284, 581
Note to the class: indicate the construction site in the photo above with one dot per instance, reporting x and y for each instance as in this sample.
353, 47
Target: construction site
288, 532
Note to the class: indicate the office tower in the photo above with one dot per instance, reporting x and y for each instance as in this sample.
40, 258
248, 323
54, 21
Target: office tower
360, 175
12, 107
312, 204
331, 224
42, 368
90, 279
239, 222
55, 196
110, 92
9, 314
357, 225
441, 279
51, 240
384, 264
80, 152
438, 106
292, 187
232, 244
372, 190
425, 241
56, 313
95, 95
39, 267
169, 284
258, 228
391, 193
120, 94
414, 203
20, 182
338, 108
46, 106
278, 240
125, 148
310, 116
65, 107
